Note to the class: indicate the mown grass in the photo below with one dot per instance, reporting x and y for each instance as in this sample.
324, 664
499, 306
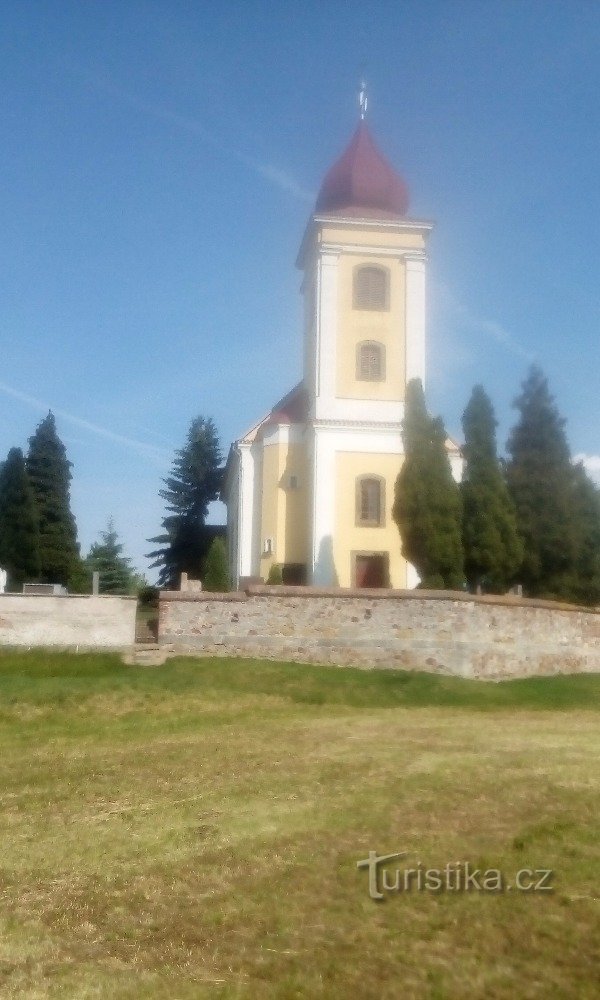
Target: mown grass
193, 830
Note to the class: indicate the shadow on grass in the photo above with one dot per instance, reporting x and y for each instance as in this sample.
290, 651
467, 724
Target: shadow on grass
44, 677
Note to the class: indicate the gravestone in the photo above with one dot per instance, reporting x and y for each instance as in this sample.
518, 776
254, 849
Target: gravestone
3, 579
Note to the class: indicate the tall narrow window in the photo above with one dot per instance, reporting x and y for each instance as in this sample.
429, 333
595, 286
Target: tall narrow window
371, 288
370, 361
370, 501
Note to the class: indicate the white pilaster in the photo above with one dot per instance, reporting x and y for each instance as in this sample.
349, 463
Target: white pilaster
323, 509
415, 317
246, 512
327, 320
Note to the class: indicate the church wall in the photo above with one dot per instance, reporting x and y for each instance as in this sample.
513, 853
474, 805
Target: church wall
270, 519
356, 325
370, 235
353, 538
284, 506
295, 503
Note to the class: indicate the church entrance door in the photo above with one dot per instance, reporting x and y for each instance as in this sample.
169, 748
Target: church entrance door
371, 569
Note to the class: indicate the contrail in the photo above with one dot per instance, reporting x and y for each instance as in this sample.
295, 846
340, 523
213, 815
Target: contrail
267, 171
155, 454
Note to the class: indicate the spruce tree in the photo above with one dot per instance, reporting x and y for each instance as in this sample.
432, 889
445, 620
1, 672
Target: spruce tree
492, 547
541, 482
586, 507
216, 573
427, 505
194, 483
50, 473
19, 530
106, 558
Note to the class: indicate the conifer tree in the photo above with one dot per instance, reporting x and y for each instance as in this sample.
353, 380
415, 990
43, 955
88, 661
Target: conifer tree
19, 530
541, 482
216, 573
106, 558
50, 474
586, 506
427, 505
194, 483
492, 547
275, 575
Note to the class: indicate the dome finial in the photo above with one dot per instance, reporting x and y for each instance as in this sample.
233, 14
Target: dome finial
363, 100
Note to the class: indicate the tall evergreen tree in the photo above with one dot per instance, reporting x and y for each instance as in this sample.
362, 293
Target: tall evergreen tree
194, 483
427, 504
19, 530
492, 547
106, 558
50, 473
540, 479
216, 573
586, 506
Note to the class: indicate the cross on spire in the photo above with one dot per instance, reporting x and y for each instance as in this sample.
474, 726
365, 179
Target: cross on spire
363, 99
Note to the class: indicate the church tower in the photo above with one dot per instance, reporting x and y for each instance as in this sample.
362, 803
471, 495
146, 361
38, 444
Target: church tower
364, 288
311, 486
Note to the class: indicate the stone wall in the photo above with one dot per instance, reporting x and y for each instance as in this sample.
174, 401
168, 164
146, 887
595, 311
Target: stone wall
67, 621
442, 632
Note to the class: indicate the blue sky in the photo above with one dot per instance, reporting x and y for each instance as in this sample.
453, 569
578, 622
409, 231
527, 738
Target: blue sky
158, 165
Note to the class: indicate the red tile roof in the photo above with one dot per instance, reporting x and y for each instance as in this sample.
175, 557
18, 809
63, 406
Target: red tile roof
362, 182
291, 409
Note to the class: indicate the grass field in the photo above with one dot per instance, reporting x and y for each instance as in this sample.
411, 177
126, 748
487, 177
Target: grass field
193, 831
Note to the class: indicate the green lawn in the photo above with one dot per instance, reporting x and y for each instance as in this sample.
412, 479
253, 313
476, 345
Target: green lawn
192, 830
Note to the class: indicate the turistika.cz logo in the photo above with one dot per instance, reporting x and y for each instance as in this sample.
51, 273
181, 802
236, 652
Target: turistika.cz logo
456, 876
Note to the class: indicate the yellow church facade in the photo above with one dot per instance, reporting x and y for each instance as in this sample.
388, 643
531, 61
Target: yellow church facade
311, 485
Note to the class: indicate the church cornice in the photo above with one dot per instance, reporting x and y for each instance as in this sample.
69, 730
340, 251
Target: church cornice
398, 225
380, 425
337, 248
353, 221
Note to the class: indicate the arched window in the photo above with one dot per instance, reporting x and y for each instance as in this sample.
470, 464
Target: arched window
371, 288
370, 361
370, 501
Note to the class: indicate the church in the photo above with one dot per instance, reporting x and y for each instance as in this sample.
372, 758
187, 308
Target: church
310, 486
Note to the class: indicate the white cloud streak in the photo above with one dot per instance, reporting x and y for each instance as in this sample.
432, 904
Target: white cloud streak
489, 327
155, 455
267, 171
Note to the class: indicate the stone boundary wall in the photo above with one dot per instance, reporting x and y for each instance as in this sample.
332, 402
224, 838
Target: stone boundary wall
68, 621
485, 637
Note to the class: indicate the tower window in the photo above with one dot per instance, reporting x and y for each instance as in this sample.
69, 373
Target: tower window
370, 361
370, 501
371, 288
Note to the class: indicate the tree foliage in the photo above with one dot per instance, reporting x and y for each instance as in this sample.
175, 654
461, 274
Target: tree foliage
492, 547
194, 483
50, 474
19, 528
586, 507
427, 504
106, 558
541, 480
275, 577
216, 572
